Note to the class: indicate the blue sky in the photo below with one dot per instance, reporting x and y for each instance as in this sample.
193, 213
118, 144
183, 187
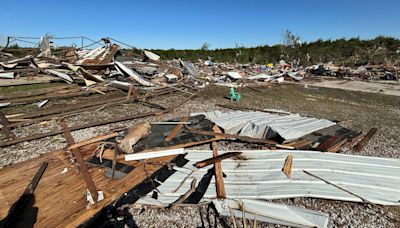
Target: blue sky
183, 24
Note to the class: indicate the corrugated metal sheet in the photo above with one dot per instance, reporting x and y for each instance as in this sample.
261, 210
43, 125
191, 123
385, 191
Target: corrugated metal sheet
265, 125
272, 213
257, 175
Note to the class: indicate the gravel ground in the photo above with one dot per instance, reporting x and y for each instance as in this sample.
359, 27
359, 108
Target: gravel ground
358, 110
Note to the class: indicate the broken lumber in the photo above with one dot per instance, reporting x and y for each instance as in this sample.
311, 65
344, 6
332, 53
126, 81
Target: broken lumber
213, 160
92, 140
175, 131
18, 208
219, 176
94, 124
287, 167
360, 145
81, 163
243, 138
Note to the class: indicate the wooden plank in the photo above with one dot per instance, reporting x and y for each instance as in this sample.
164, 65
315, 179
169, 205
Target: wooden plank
287, 167
130, 92
243, 138
80, 162
35, 92
219, 176
213, 160
366, 139
92, 140
60, 197
17, 211
337, 146
176, 130
5, 129
327, 143
299, 144
97, 123
49, 97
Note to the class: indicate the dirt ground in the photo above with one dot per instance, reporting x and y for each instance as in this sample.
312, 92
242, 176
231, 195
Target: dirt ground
373, 86
357, 110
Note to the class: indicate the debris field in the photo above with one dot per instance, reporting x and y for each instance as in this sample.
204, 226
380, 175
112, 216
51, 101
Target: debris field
107, 137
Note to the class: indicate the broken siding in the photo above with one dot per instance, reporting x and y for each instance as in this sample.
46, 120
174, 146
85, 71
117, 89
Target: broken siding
258, 175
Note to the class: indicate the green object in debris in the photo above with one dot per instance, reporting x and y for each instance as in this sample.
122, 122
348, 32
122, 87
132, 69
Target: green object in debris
234, 96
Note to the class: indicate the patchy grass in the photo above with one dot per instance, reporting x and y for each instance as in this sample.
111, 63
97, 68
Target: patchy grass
362, 110
25, 88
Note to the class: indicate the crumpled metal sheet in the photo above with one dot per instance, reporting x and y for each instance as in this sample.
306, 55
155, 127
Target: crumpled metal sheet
190, 68
265, 126
256, 174
132, 74
272, 213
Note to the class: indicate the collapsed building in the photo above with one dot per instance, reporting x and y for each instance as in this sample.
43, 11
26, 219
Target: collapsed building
152, 163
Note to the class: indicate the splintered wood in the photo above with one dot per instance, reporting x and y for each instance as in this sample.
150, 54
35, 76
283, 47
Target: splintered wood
80, 162
214, 160
176, 129
219, 178
366, 139
287, 167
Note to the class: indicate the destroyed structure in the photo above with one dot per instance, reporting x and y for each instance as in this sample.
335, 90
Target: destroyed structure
151, 163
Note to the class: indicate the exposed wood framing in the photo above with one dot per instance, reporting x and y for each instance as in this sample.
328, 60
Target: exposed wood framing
80, 162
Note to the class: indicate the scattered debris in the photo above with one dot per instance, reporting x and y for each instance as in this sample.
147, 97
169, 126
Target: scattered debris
148, 162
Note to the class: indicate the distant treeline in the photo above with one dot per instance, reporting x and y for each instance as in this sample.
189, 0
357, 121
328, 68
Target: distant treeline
350, 52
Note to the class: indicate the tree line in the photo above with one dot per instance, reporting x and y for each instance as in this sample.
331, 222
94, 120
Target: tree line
348, 52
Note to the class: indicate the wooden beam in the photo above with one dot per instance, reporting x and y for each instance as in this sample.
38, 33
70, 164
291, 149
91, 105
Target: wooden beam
219, 176
287, 167
81, 163
97, 123
94, 124
213, 160
337, 146
327, 143
131, 92
5, 128
92, 140
177, 128
366, 139
243, 138
299, 144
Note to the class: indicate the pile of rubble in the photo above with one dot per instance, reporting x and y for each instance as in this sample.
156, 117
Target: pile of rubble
153, 163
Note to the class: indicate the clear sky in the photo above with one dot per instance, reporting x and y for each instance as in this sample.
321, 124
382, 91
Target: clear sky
186, 24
